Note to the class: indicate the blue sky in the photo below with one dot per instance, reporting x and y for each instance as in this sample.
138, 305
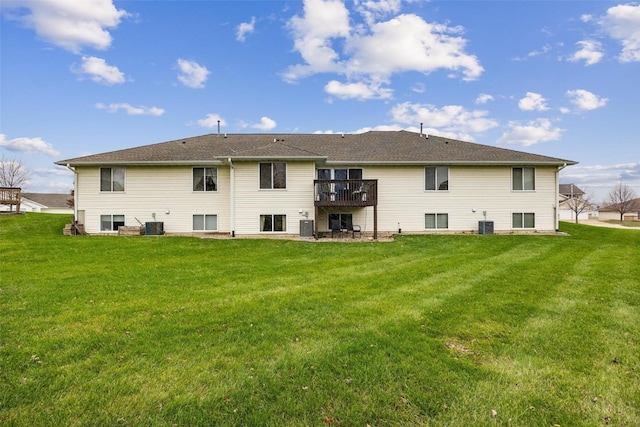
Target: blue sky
559, 78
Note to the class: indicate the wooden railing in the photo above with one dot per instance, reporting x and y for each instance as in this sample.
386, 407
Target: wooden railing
346, 192
10, 196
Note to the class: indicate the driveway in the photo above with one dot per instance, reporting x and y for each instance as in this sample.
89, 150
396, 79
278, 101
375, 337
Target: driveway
597, 223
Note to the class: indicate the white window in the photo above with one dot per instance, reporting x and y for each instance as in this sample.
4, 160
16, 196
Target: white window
273, 223
112, 179
205, 222
523, 179
111, 222
523, 220
205, 179
436, 178
273, 175
436, 221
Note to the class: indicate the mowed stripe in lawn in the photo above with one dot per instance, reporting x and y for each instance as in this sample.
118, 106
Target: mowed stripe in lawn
428, 330
564, 363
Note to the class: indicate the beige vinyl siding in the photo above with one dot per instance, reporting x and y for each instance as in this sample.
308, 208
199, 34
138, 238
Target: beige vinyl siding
153, 189
252, 201
402, 200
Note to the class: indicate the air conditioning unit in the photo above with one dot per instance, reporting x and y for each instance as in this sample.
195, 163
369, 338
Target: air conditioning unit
306, 228
154, 228
485, 227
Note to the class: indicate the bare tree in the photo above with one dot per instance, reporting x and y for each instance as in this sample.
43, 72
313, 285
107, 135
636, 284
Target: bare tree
13, 173
71, 201
580, 203
622, 199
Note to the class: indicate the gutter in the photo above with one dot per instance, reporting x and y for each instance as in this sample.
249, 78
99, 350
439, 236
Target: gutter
324, 159
232, 198
75, 195
450, 163
144, 163
557, 197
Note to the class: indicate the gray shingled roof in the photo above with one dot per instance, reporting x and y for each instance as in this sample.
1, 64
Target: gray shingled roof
570, 189
376, 147
50, 200
633, 204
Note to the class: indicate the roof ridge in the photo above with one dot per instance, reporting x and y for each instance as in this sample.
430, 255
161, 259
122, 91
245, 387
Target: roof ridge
383, 147
303, 149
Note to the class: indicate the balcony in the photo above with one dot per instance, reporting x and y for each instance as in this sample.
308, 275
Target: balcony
346, 192
11, 196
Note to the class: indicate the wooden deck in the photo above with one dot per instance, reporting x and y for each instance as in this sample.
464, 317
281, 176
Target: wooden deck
346, 192
11, 196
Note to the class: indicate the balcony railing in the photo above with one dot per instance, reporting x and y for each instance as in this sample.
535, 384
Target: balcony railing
11, 196
346, 192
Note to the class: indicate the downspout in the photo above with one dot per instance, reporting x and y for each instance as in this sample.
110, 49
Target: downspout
232, 198
557, 199
75, 196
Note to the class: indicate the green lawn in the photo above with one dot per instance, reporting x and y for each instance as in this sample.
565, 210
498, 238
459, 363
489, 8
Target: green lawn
427, 330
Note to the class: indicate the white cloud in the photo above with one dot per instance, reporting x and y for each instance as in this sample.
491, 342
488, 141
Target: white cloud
397, 127
131, 110
419, 88
99, 71
454, 120
358, 90
585, 100
546, 48
192, 74
533, 102
265, 124
28, 145
586, 18
245, 28
376, 9
326, 132
384, 128
590, 52
602, 178
55, 171
70, 24
52, 180
322, 21
211, 121
483, 98
371, 53
408, 43
540, 130
622, 23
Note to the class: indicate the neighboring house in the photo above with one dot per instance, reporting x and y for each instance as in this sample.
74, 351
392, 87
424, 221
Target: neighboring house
266, 184
611, 212
570, 196
570, 191
43, 202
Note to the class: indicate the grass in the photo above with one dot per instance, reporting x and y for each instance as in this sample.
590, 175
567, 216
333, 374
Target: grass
427, 330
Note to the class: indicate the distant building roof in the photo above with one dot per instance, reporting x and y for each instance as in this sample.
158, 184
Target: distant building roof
50, 200
375, 147
615, 207
568, 189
